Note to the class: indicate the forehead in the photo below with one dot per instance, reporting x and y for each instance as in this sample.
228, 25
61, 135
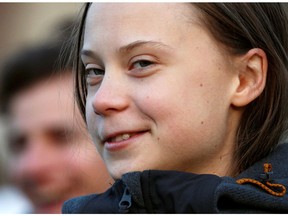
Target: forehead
125, 20
127, 9
47, 102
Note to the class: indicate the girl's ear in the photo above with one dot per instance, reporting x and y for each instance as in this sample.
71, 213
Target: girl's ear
251, 77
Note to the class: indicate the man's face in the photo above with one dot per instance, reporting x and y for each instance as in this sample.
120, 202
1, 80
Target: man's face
53, 158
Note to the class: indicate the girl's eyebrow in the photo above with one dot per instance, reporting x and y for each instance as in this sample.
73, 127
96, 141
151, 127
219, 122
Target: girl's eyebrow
129, 47
88, 53
139, 43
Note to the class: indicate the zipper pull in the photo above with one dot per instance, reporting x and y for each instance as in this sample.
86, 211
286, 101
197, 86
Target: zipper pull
125, 202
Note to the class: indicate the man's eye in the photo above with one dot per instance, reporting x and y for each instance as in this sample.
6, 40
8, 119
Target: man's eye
17, 144
59, 136
141, 64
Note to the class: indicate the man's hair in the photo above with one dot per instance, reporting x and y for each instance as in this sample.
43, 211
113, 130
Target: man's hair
34, 64
27, 68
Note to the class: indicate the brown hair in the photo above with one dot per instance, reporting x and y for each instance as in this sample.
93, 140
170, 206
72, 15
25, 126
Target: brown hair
80, 81
239, 27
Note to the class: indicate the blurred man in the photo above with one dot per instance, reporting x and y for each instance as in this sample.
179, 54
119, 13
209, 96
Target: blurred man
52, 158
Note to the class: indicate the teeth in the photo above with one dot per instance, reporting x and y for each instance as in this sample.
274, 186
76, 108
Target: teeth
121, 138
125, 136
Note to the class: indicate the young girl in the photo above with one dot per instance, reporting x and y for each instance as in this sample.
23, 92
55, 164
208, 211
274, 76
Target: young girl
187, 105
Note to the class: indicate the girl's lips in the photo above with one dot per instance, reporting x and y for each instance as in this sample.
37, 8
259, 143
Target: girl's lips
117, 143
121, 137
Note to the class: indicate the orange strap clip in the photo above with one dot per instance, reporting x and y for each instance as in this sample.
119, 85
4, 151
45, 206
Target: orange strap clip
266, 185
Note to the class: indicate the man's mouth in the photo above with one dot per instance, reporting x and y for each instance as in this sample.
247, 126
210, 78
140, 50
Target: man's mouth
53, 207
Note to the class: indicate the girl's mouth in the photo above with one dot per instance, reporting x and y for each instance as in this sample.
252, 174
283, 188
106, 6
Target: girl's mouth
121, 137
121, 140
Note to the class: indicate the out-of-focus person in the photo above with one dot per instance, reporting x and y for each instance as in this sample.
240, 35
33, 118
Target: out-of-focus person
51, 157
9, 194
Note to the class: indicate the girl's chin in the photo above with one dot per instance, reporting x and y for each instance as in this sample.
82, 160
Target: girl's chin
117, 168
118, 174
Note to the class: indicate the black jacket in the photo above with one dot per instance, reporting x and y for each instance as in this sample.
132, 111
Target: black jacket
155, 191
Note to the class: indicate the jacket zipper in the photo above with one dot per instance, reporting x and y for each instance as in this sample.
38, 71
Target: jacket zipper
125, 202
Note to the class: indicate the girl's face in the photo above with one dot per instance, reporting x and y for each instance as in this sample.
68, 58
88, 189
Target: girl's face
159, 89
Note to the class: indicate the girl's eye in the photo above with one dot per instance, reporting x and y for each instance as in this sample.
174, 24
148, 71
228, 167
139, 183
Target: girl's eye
94, 72
93, 75
141, 64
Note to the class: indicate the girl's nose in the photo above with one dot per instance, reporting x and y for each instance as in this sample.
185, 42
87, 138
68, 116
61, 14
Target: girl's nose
111, 96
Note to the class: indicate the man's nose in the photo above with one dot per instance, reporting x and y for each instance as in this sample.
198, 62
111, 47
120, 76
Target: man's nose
36, 162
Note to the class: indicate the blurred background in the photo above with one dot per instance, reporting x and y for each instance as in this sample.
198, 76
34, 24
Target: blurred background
24, 25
